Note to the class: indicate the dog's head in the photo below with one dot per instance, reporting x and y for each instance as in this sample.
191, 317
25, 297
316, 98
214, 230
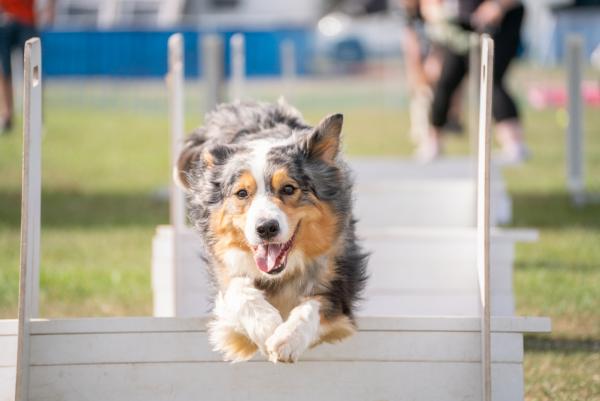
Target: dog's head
271, 205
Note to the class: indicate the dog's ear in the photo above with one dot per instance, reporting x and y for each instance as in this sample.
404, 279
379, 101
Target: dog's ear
324, 142
195, 155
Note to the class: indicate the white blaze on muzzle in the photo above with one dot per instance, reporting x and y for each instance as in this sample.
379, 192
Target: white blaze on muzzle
270, 252
262, 209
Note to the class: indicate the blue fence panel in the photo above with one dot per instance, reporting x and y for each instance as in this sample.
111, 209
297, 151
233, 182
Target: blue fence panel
122, 53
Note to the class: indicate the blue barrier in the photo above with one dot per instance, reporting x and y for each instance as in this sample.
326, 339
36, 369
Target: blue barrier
124, 53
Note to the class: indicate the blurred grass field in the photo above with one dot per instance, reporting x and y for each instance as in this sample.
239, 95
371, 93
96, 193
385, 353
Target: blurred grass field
105, 156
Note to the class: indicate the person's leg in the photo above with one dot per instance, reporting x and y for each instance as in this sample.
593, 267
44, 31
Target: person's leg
419, 90
432, 65
7, 38
509, 130
454, 68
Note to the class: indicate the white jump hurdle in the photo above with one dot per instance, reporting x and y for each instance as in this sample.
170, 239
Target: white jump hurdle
400, 358
440, 194
575, 138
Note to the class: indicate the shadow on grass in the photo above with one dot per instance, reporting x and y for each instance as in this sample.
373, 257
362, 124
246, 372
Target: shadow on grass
74, 209
538, 343
552, 210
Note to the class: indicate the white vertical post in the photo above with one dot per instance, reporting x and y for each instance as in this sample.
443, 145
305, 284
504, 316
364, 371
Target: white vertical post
30, 209
212, 57
483, 209
238, 66
288, 66
575, 159
175, 80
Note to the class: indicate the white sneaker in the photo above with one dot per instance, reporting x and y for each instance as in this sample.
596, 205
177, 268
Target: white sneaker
428, 151
514, 155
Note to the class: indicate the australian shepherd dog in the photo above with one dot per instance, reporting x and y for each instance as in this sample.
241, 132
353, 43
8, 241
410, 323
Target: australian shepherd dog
272, 201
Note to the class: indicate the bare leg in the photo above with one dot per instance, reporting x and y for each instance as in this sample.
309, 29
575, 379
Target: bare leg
510, 136
431, 148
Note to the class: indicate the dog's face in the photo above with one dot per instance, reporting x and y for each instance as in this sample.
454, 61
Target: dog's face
272, 204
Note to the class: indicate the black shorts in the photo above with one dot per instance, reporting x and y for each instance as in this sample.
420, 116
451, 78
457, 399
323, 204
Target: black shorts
13, 35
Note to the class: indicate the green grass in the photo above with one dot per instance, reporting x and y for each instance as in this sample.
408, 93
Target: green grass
105, 153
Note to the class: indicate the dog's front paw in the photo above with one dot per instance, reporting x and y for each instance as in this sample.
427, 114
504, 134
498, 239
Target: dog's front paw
233, 345
286, 344
266, 325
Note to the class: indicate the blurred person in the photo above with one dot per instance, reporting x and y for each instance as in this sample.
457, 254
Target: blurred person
423, 60
502, 19
18, 20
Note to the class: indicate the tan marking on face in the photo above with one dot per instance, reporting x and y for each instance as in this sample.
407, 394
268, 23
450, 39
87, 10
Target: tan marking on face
318, 224
208, 158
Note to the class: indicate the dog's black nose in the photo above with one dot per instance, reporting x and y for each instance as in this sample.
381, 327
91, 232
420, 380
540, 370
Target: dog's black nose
267, 229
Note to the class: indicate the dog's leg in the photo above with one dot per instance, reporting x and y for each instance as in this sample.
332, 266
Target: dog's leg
244, 320
296, 334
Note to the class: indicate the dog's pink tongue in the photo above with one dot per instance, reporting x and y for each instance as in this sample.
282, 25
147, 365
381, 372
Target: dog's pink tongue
266, 255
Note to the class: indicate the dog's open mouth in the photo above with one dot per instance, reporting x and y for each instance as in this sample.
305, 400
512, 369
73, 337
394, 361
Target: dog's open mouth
271, 258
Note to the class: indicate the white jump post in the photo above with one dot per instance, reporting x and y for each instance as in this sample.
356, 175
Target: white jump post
175, 79
575, 159
237, 46
473, 90
483, 209
212, 63
30, 210
288, 66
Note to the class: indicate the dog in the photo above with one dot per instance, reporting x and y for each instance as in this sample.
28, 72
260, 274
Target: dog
272, 200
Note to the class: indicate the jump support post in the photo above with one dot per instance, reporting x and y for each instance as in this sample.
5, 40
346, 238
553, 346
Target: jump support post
237, 48
575, 159
483, 208
30, 210
212, 64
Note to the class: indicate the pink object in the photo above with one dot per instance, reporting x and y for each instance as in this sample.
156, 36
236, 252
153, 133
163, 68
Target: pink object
542, 97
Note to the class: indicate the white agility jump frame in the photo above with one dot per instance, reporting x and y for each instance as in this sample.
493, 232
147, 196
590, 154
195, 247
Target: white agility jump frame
483, 208
105, 359
30, 210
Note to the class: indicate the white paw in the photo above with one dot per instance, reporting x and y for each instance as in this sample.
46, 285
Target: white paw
266, 325
286, 344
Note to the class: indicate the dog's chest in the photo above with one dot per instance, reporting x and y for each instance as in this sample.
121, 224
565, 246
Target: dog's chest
286, 298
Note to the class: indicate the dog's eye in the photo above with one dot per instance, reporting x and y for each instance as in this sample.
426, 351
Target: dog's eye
242, 194
288, 190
